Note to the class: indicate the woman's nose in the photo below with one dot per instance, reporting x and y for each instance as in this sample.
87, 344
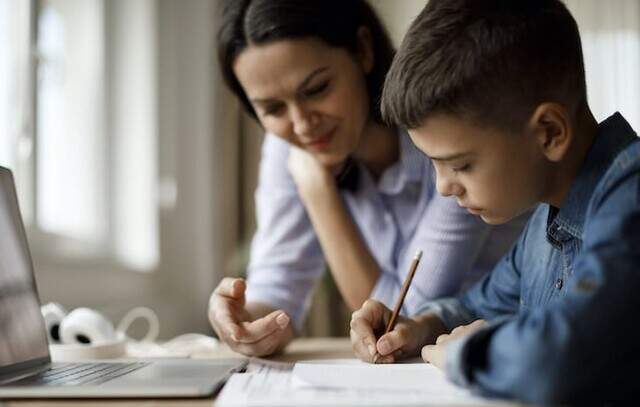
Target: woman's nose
304, 121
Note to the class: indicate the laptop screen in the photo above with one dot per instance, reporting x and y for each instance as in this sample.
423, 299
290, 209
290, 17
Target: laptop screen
22, 331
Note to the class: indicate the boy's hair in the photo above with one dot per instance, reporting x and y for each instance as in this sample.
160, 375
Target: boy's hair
489, 61
336, 22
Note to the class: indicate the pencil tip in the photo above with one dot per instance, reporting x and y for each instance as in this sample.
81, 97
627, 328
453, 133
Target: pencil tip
419, 255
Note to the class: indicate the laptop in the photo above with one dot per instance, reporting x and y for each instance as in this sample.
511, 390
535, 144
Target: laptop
26, 369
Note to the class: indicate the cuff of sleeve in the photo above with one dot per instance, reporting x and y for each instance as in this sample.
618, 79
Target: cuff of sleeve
297, 314
450, 311
467, 353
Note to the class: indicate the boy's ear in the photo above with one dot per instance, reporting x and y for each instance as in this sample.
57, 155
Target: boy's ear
551, 126
365, 50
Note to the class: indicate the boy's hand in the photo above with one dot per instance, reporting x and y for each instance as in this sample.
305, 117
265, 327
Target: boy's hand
436, 354
237, 328
403, 341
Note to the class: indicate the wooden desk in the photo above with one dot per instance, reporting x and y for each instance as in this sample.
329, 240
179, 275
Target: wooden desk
300, 349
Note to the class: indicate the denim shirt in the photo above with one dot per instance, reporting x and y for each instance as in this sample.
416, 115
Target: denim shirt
562, 303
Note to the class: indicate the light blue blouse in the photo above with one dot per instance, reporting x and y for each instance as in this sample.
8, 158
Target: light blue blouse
398, 215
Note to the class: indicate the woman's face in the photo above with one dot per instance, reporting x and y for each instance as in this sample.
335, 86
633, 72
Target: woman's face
308, 93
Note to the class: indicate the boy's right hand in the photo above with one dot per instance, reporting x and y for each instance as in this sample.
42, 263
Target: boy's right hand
405, 340
235, 325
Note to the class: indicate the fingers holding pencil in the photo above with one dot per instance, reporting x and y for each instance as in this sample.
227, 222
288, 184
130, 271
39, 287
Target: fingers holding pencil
396, 310
397, 337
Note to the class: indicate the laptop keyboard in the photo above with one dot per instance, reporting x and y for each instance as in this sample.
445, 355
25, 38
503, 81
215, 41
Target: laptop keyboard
74, 374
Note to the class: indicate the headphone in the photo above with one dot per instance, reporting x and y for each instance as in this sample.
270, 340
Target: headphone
85, 326
85, 333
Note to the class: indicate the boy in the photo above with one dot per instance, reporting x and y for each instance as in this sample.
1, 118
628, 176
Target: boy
494, 92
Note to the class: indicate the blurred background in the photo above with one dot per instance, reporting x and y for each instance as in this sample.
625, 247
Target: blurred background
136, 168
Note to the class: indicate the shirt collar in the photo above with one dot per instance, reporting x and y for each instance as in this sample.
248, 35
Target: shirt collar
408, 169
614, 134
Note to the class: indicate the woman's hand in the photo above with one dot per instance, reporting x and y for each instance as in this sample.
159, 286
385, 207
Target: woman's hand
404, 341
310, 176
239, 329
436, 354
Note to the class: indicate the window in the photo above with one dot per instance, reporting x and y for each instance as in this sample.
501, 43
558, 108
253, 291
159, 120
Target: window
62, 140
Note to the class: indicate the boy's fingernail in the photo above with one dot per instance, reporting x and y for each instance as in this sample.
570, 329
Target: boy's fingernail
384, 346
282, 320
372, 349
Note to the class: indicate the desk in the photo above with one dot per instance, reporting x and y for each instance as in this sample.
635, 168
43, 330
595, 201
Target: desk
299, 349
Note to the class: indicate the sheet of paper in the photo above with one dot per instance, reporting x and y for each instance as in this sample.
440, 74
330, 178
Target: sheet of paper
276, 384
355, 374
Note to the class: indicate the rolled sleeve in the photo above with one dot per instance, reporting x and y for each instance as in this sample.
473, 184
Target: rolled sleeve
286, 258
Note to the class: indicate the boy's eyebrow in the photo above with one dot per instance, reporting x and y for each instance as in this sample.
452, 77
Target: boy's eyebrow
304, 83
451, 157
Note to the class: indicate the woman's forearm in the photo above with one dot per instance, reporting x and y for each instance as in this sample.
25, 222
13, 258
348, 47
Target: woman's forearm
354, 269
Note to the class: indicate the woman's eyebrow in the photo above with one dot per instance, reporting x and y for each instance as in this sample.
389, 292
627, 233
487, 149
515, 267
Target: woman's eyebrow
301, 86
312, 75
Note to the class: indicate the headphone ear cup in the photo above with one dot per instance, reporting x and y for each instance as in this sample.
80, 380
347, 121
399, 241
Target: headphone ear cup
85, 326
53, 314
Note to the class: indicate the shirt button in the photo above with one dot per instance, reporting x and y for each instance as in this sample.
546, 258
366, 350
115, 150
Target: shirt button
559, 283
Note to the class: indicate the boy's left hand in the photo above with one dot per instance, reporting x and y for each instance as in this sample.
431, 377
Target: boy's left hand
435, 354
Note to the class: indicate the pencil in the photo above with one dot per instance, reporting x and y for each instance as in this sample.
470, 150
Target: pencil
403, 293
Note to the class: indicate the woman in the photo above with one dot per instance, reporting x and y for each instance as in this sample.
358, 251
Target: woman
337, 186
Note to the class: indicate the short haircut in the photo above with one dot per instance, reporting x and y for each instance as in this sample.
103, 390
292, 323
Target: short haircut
489, 61
336, 22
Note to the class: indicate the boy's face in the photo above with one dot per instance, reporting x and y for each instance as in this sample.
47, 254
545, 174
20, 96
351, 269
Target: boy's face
494, 174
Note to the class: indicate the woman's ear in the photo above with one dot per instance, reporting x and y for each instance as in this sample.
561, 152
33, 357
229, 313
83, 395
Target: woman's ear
551, 126
365, 50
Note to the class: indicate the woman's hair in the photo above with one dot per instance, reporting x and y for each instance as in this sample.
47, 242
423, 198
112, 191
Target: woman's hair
336, 22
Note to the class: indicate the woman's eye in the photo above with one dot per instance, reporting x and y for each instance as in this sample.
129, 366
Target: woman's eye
463, 168
316, 90
272, 110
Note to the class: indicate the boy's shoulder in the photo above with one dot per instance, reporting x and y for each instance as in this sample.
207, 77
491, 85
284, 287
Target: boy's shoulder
626, 164
619, 186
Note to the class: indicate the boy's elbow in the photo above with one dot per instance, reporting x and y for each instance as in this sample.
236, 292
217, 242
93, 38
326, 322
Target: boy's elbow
544, 383
535, 377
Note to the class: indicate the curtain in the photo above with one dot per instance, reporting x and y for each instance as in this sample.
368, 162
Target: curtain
611, 43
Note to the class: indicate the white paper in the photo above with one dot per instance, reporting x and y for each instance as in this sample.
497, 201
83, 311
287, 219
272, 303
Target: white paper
355, 374
278, 385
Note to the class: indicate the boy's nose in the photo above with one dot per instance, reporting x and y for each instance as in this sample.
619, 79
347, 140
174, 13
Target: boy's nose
446, 187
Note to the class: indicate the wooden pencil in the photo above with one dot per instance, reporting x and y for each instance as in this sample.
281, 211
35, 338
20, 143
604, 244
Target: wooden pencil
400, 301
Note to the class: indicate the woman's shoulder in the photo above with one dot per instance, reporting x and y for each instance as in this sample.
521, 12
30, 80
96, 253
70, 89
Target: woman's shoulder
274, 147
273, 160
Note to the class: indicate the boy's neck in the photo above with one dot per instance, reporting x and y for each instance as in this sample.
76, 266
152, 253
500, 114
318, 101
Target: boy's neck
569, 168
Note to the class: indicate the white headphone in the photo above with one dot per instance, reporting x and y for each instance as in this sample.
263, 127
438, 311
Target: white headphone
86, 334
85, 326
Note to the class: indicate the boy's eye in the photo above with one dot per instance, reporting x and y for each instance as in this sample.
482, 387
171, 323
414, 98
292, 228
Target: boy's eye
316, 90
462, 168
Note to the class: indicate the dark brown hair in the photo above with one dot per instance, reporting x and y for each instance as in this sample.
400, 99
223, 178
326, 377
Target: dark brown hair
489, 61
336, 22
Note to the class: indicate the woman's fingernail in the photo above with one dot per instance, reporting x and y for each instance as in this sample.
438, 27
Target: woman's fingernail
372, 349
282, 320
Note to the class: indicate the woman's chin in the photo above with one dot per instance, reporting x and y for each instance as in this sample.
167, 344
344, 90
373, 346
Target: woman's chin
332, 161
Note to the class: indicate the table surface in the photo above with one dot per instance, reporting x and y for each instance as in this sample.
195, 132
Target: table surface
299, 349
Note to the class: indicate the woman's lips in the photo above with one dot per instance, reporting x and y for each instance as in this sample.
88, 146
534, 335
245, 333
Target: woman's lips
321, 142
